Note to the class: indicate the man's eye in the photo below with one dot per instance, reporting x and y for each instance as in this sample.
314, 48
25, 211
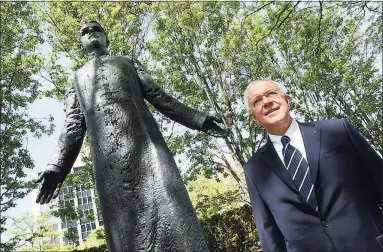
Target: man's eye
97, 29
272, 93
257, 101
84, 32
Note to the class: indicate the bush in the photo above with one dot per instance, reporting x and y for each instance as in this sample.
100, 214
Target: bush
232, 230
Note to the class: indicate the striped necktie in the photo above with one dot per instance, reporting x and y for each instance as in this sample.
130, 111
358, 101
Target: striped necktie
299, 171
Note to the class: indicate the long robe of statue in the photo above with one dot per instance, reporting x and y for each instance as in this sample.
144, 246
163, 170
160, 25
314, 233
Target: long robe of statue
145, 206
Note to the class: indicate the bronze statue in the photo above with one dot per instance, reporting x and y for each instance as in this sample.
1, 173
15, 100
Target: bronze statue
145, 206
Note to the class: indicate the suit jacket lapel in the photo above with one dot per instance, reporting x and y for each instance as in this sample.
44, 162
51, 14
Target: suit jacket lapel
272, 160
311, 139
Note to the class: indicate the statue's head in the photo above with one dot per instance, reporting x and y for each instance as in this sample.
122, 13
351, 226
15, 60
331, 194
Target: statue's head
92, 35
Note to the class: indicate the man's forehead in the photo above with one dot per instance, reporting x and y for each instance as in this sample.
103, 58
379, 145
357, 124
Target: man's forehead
262, 86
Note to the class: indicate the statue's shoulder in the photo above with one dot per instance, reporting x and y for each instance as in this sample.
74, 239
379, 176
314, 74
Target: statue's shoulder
129, 58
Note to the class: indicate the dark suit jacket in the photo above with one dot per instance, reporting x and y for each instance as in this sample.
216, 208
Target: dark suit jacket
348, 178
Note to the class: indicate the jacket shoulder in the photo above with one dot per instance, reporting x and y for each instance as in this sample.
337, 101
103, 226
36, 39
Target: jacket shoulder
329, 123
255, 158
332, 129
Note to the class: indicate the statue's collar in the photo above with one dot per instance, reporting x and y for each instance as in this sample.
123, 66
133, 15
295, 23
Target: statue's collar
96, 54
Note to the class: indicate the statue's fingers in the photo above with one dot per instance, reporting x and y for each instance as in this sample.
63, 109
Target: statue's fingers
44, 196
50, 195
41, 193
57, 191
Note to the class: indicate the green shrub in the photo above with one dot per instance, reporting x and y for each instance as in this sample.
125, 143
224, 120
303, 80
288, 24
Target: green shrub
232, 230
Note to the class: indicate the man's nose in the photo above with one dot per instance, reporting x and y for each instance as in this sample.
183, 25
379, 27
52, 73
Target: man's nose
266, 100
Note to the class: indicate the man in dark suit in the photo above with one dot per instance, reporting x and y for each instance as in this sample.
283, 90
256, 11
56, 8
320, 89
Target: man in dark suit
314, 187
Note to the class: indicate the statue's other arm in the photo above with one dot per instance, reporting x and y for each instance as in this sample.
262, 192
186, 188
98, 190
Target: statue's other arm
68, 147
166, 104
72, 135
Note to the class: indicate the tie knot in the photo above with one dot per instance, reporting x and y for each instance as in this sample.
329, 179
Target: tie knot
285, 140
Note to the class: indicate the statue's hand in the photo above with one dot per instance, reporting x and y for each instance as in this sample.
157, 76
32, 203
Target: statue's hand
210, 127
52, 179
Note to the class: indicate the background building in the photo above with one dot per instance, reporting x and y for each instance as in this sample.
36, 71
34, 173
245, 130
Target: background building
81, 199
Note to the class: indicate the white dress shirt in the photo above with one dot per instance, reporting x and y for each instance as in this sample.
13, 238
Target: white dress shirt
294, 133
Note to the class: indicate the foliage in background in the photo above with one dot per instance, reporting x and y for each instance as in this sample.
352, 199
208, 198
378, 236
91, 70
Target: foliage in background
232, 231
20, 35
94, 242
36, 233
330, 64
210, 197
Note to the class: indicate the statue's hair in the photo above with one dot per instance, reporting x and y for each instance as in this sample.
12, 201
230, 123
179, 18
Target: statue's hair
102, 28
280, 85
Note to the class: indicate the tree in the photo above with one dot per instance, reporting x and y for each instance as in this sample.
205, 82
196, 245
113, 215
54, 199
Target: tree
20, 35
210, 197
95, 242
337, 75
36, 233
232, 230
227, 223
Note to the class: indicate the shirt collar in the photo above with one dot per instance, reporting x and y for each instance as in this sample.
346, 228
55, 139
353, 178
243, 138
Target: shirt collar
291, 133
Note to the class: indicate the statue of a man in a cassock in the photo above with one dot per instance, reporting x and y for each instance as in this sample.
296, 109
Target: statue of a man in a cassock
145, 206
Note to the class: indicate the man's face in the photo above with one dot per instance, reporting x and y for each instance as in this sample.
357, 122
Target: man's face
91, 36
268, 105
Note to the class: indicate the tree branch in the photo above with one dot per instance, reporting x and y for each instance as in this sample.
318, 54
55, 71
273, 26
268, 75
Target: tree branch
251, 13
319, 27
276, 25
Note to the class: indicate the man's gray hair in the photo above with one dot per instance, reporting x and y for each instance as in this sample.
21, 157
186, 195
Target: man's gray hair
280, 86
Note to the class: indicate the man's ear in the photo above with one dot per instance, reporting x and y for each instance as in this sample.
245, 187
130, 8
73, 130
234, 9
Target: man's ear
252, 118
288, 99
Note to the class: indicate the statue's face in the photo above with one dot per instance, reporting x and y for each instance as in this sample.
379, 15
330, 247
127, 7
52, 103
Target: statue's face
92, 36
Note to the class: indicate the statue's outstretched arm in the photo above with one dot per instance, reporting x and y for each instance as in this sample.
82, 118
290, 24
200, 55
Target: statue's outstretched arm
67, 150
174, 109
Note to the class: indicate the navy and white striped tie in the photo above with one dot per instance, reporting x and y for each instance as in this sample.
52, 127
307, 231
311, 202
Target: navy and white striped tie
299, 171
